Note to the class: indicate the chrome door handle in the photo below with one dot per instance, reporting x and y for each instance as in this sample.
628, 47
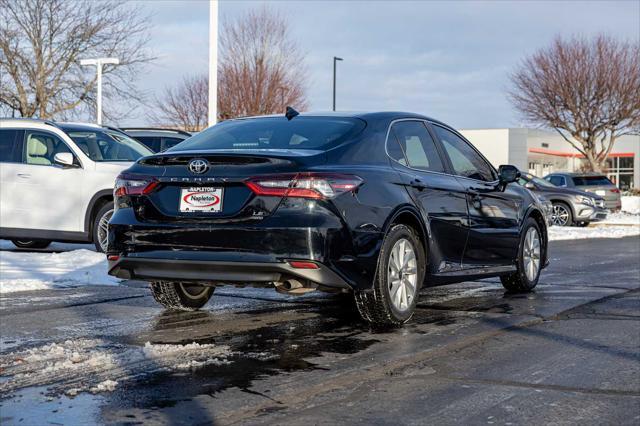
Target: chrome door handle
24, 175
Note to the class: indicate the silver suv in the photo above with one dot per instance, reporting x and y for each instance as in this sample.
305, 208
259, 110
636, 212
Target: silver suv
570, 206
589, 182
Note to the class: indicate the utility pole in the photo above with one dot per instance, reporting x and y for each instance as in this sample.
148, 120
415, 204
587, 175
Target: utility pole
99, 62
213, 62
335, 59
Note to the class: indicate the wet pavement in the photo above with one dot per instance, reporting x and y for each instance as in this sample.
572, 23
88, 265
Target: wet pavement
568, 353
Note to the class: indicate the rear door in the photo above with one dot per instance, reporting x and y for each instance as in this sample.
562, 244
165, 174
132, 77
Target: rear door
10, 165
493, 213
440, 196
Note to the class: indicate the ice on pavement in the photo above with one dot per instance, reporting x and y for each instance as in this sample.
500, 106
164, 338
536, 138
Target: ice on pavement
23, 270
93, 365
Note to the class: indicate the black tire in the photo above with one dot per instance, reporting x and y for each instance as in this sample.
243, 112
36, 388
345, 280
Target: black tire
376, 306
31, 244
519, 282
559, 205
96, 231
180, 296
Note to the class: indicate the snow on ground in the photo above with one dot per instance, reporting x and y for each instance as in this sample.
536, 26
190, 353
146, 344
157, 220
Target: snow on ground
93, 365
24, 270
620, 218
557, 233
631, 204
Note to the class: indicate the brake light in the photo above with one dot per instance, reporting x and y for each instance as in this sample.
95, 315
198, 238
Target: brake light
134, 185
298, 264
304, 185
615, 190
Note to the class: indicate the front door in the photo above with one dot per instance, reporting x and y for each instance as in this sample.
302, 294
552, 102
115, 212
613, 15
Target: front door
440, 196
493, 213
46, 196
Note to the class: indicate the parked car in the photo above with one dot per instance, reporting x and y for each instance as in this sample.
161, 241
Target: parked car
57, 180
377, 204
570, 206
589, 182
157, 140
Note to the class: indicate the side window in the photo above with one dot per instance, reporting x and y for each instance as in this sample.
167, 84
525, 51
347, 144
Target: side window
558, 180
394, 150
10, 146
151, 142
170, 142
418, 146
464, 159
41, 147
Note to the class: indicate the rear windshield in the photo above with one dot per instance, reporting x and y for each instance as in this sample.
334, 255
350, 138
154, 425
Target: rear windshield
317, 133
591, 181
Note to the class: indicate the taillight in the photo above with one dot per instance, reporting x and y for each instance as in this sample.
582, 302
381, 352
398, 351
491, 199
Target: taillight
615, 190
304, 185
134, 185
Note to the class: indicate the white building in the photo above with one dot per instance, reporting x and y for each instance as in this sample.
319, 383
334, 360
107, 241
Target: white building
542, 152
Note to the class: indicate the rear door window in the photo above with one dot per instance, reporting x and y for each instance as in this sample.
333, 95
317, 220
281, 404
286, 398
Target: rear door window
557, 180
10, 146
419, 148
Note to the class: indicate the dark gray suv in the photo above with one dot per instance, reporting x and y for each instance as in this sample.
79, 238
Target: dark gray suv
570, 206
593, 183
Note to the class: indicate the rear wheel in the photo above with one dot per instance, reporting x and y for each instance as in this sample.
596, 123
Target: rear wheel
181, 296
31, 244
401, 269
561, 214
100, 227
529, 263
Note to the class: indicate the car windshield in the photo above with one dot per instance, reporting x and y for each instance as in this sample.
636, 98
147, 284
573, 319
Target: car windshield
528, 177
591, 181
315, 133
105, 145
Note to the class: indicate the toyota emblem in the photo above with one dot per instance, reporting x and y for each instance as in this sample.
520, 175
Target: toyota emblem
198, 166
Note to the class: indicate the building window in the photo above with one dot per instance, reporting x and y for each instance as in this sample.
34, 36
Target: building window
620, 171
545, 145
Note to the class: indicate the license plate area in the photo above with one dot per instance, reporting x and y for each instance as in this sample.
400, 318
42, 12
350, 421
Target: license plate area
200, 199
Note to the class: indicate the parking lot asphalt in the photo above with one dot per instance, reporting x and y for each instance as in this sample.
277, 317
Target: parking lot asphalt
568, 353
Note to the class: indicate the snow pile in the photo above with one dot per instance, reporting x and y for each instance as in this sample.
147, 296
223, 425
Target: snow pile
631, 204
557, 233
75, 366
22, 271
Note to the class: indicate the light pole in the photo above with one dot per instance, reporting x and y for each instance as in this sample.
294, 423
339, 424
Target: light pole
335, 59
213, 62
99, 62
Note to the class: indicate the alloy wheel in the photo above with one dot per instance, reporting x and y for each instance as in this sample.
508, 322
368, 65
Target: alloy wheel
103, 229
559, 215
531, 253
402, 273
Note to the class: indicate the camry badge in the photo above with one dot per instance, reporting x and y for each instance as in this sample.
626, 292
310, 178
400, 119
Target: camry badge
198, 166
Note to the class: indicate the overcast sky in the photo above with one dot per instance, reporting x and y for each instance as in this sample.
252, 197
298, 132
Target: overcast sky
449, 60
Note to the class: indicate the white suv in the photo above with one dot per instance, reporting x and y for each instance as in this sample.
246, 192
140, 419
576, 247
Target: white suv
56, 180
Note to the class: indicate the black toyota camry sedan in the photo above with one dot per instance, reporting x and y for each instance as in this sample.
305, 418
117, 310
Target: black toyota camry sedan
376, 204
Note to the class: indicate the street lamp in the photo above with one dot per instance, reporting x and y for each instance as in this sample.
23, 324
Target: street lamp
213, 63
335, 59
99, 62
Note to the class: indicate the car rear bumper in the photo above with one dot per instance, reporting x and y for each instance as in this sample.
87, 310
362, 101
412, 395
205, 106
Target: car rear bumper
163, 266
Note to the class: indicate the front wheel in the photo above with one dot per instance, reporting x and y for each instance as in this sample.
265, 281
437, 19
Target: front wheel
561, 214
401, 269
181, 296
31, 244
529, 263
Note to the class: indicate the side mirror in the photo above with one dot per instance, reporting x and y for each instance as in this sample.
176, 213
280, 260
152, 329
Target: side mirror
64, 159
508, 174
529, 185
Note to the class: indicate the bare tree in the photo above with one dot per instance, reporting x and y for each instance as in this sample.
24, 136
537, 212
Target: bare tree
587, 90
261, 68
42, 41
183, 106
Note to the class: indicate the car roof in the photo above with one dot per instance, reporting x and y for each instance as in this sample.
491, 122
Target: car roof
576, 174
370, 115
